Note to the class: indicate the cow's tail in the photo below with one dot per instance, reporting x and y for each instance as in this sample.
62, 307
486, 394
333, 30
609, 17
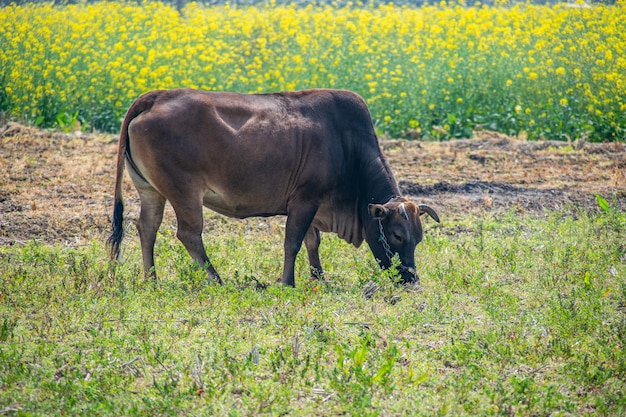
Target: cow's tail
114, 241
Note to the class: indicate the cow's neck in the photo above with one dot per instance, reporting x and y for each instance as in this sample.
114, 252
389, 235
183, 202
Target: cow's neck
379, 184
370, 181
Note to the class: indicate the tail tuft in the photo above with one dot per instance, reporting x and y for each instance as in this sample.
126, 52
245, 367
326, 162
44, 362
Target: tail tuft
117, 232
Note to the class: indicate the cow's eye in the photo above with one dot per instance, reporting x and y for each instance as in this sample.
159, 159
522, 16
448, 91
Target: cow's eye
397, 237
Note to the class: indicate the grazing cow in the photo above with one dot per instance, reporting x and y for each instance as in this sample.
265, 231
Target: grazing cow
310, 155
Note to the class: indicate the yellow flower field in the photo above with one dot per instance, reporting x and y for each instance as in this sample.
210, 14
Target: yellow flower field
434, 72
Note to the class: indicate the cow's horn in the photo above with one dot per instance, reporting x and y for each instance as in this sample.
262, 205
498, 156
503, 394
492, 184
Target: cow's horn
430, 211
403, 212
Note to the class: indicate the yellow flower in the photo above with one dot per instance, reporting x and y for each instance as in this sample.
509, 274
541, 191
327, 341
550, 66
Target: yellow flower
414, 58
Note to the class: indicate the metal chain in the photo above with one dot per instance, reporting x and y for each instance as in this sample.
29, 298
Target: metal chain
382, 239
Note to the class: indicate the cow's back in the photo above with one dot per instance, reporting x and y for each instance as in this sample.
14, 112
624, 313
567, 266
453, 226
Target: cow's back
248, 154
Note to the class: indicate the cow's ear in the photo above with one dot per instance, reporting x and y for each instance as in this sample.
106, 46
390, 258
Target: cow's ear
377, 211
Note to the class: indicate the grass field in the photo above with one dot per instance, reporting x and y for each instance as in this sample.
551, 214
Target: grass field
432, 72
515, 316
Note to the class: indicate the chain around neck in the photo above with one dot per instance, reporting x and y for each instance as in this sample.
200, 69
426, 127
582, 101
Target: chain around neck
383, 240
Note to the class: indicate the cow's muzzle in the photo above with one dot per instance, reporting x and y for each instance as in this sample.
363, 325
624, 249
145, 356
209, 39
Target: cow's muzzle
409, 275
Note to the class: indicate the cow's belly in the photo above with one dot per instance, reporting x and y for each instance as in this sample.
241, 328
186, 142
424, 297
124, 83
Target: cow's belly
243, 207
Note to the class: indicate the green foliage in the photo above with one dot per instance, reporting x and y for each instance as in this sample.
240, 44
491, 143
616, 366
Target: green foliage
513, 317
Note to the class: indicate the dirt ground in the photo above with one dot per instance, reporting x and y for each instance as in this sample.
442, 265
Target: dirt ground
57, 187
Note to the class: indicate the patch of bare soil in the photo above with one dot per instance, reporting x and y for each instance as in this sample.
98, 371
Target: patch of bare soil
493, 172
58, 187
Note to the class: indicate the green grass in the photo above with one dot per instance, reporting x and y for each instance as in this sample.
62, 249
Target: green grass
516, 316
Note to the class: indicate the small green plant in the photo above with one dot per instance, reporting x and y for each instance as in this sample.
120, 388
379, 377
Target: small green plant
615, 218
67, 121
604, 205
357, 375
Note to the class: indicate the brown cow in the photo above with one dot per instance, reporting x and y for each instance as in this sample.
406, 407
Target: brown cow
310, 155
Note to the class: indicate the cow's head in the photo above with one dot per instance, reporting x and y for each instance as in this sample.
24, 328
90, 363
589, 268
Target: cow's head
396, 228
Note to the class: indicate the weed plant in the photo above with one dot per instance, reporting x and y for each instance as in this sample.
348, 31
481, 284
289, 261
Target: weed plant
515, 316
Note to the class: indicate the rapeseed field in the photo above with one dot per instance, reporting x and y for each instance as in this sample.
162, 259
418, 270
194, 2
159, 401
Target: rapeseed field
436, 72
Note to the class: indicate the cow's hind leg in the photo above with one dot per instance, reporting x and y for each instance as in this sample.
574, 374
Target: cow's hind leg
190, 221
150, 217
312, 243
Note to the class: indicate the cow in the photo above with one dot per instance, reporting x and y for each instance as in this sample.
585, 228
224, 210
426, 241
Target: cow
310, 155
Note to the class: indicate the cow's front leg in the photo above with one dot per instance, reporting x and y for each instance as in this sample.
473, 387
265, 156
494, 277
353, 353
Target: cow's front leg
298, 221
312, 243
